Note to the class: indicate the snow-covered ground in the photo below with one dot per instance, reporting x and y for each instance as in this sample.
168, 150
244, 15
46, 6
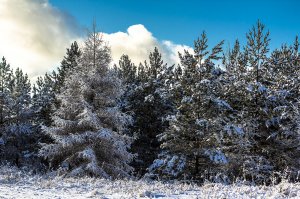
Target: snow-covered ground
17, 184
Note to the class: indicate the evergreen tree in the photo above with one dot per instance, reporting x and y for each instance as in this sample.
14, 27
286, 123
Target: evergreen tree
142, 76
43, 98
235, 137
19, 140
69, 62
283, 137
146, 100
192, 143
87, 127
127, 70
46, 88
5, 86
259, 95
6, 102
21, 96
258, 106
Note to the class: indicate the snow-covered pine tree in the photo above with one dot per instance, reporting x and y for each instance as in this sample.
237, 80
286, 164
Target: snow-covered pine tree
69, 62
87, 127
142, 73
44, 91
258, 106
19, 142
21, 96
235, 137
259, 98
43, 98
19, 131
283, 123
6, 102
127, 70
149, 106
5, 92
192, 144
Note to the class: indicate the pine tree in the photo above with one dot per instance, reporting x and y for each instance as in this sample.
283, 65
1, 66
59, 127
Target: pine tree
192, 142
69, 62
18, 136
6, 102
256, 87
257, 107
235, 137
87, 127
127, 70
283, 137
43, 98
5, 85
142, 76
48, 86
147, 102
19, 132
156, 63
21, 96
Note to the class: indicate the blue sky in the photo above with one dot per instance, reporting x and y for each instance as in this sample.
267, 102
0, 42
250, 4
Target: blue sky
183, 21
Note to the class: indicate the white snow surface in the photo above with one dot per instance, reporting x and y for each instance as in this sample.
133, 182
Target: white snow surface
18, 184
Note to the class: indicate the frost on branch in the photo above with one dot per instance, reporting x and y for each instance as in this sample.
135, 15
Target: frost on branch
87, 127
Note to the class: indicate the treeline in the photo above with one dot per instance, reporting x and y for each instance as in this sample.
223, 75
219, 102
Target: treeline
218, 116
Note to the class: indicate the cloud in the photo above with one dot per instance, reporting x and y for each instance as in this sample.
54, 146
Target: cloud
34, 35
138, 42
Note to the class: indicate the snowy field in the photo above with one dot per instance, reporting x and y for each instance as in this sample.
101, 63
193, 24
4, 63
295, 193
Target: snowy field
17, 184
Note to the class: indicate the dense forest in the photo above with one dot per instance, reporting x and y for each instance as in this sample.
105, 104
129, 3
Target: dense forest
219, 115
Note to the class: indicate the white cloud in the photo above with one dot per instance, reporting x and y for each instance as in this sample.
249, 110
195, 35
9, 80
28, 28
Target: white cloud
34, 35
138, 42
170, 50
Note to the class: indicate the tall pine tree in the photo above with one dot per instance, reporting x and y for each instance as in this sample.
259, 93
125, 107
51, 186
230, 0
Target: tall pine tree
192, 144
87, 127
